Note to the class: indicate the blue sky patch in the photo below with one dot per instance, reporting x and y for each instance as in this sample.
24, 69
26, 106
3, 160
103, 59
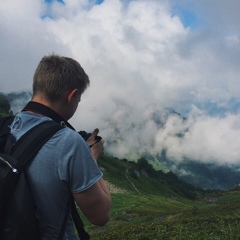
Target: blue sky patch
99, 1
214, 109
188, 17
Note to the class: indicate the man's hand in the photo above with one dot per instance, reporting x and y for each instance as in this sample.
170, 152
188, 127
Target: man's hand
97, 148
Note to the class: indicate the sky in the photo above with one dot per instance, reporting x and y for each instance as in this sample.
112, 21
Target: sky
143, 58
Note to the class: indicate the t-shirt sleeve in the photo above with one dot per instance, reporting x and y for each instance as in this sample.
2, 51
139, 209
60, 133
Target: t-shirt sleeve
76, 165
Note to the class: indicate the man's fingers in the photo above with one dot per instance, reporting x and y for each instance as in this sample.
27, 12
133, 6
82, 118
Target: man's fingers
92, 139
95, 132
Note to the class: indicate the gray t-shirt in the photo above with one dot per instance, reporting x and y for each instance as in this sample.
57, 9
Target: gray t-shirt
63, 166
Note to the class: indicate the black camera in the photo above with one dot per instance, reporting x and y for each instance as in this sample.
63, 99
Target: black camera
86, 135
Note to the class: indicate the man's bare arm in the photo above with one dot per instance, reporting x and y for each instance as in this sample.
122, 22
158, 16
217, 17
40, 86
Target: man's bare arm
95, 203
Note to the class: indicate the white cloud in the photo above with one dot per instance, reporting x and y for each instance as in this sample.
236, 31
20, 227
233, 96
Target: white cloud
24, 40
214, 139
140, 58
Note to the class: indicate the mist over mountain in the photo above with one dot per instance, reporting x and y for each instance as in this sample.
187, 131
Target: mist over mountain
206, 175
173, 143
199, 149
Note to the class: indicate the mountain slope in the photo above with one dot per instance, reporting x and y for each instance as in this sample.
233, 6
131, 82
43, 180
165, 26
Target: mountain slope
147, 204
141, 178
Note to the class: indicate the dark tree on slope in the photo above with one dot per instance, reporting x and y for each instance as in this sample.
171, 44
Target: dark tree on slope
5, 108
143, 164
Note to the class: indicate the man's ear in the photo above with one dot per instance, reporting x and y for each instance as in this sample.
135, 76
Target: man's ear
72, 94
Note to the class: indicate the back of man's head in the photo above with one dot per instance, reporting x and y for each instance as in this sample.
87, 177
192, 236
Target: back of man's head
55, 76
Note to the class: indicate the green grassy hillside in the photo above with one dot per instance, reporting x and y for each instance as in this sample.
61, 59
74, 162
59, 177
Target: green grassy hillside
141, 178
153, 205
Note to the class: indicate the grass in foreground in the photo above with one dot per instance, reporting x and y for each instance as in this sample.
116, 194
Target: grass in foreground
137, 217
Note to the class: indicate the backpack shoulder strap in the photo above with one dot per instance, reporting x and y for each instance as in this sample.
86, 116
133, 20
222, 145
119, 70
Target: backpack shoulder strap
31, 142
5, 122
83, 235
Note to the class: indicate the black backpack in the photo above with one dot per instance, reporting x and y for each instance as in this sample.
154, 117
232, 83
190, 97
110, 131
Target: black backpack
17, 211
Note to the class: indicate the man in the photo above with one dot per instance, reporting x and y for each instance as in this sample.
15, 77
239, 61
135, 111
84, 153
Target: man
65, 165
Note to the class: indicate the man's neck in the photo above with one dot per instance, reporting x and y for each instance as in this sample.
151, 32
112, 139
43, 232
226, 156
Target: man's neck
43, 109
56, 106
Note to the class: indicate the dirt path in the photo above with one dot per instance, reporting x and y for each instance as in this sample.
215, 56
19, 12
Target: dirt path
126, 174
